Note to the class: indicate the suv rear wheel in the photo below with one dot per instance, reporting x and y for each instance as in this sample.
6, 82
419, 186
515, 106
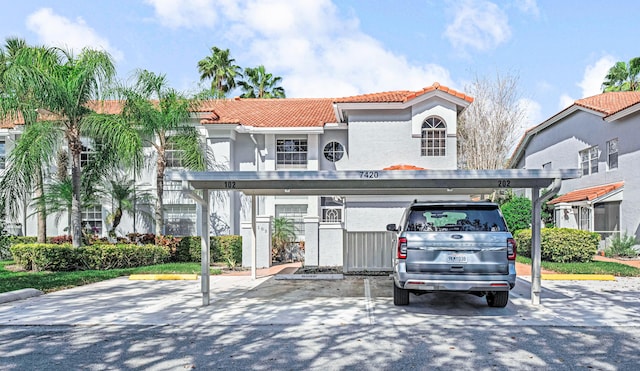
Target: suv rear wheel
498, 299
400, 296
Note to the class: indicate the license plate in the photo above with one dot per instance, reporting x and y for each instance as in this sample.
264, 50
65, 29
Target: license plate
456, 258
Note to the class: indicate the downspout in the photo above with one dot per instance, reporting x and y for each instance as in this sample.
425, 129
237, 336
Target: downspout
536, 253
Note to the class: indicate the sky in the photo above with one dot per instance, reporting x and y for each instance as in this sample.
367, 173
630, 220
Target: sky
559, 50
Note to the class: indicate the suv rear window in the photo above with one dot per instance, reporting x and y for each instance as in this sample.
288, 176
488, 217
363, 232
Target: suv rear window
455, 218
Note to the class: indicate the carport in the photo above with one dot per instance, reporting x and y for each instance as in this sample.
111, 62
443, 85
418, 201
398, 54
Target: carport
369, 182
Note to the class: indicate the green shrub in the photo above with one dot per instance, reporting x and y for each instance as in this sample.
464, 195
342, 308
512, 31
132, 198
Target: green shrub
560, 245
229, 249
517, 213
189, 250
65, 257
41, 256
622, 246
106, 256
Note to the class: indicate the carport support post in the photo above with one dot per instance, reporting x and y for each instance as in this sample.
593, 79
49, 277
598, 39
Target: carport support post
536, 260
205, 251
254, 252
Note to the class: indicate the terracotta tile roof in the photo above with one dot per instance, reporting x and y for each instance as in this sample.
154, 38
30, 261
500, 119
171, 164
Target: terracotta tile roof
404, 167
402, 96
286, 112
611, 102
587, 194
109, 107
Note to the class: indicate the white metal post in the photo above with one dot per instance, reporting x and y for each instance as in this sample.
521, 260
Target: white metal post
536, 263
254, 253
205, 248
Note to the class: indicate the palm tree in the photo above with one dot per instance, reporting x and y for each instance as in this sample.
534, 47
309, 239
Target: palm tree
284, 233
623, 76
19, 84
260, 84
123, 193
156, 115
222, 71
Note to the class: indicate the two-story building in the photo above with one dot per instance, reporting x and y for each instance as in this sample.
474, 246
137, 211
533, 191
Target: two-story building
599, 135
396, 129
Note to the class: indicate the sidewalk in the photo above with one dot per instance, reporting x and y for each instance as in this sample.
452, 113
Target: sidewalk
287, 268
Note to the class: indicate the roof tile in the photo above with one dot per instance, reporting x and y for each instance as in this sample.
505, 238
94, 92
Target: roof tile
587, 194
611, 102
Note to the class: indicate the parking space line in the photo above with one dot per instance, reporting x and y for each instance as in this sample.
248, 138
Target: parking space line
369, 306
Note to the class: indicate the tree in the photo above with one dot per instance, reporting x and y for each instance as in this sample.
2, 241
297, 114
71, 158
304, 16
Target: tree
122, 192
157, 115
487, 128
284, 233
19, 84
257, 83
517, 213
222, 71
623, 76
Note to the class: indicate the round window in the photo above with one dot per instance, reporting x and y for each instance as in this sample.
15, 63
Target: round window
333, 151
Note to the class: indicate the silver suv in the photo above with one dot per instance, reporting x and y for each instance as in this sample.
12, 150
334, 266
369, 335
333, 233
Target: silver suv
453, 246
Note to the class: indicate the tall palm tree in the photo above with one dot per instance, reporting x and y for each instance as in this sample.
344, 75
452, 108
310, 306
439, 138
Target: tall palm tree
156, 115
124, 194
623, 76
258, 83
220, 68
19, 84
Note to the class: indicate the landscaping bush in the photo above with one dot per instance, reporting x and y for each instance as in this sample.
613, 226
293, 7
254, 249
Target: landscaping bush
106, 256
622, 247
64, 257
517, 213
226, 249
23, 239
42, 256
560, 245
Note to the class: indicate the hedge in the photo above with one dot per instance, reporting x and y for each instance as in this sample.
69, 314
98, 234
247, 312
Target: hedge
560, 245
64, 257
225, 249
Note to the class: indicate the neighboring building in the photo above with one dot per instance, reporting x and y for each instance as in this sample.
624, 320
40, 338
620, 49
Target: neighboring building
365, 132
601, 136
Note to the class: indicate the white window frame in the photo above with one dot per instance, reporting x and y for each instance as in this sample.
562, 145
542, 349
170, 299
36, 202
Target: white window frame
433, 141
295, 213
589, 160
172, 156
333, 151
174, 214
92, 218
291, 153
612, 153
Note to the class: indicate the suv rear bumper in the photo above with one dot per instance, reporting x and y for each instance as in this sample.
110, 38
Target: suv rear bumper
462, 283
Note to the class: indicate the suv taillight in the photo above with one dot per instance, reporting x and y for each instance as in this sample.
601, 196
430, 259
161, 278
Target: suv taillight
511, 249
402, 248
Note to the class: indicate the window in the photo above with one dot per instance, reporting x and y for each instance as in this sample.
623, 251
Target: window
291, 154
584, 218
295, 213
333, 151
589, 160
606, 218
180, 220
434, 135
92, 219
172, 156
2, 154
612, 153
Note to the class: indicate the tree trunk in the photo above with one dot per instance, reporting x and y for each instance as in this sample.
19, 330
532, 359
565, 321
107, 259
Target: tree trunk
159, 212
75, 147
41, 207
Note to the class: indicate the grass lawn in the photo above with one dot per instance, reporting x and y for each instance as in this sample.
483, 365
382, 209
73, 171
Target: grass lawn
593, 267
53, 281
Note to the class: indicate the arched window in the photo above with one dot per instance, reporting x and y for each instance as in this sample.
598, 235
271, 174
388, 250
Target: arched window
434, 135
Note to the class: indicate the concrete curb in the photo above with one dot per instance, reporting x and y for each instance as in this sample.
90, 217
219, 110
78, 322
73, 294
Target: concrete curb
579, 277
6, 297
309, 277
163, 277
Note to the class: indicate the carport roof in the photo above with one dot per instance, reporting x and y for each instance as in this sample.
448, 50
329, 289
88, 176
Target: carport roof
370, 182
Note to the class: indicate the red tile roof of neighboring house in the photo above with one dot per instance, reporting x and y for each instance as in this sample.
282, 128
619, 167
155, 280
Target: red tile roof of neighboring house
286, 112
611, 102
587, 194
404, 167
401, 95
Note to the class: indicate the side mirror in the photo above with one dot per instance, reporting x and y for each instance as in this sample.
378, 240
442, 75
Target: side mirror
392, 228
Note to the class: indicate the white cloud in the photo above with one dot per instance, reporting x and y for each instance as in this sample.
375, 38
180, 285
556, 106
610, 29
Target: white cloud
320, 52
185, 13
55, 30
565, 101
594, 75
478, 24
528, 6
